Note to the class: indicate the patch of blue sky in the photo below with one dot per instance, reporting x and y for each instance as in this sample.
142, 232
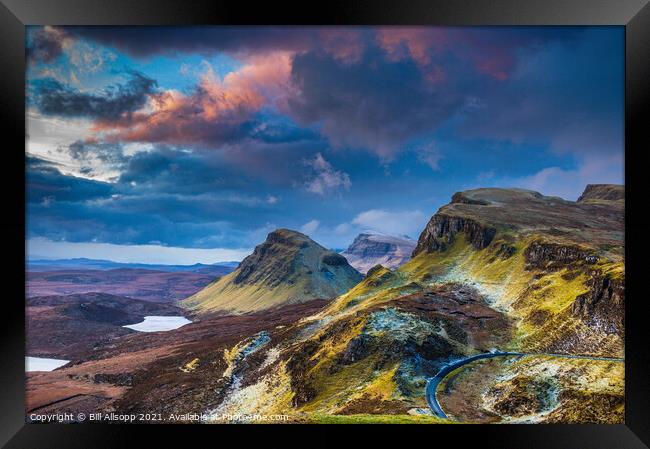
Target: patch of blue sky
181, 72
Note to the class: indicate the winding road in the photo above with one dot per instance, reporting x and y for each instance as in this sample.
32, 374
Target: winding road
433, 382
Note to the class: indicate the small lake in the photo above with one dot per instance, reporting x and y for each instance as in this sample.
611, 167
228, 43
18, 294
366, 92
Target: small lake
159, 323
43, 364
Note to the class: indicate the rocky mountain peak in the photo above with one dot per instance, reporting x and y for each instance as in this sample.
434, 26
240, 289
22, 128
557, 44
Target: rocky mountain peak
369, 249
283, 256
287, 267
288, 237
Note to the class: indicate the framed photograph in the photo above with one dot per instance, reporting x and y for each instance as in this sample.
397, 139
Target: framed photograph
369, 213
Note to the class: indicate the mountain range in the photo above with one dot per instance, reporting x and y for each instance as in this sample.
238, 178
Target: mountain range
217, 269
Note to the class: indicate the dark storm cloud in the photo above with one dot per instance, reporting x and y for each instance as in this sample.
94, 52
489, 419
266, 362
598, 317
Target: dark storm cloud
51, 97
376, 104
179, 199
107, 152
370, 88
145, 41
250, 163
568, 95
171, 171
46, 184
44, 44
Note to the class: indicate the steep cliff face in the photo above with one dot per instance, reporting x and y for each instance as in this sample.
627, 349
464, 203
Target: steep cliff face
603, 306
440, 232
543, 254
595, 221
370, 249
607, 192
287, 268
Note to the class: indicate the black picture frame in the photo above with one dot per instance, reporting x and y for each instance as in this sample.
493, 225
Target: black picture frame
634, 15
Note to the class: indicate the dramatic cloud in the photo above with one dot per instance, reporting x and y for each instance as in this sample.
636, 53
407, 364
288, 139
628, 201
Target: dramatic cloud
86, 58
46, 184
242, 42
324, 177
494, 54
51, 97
211, 137
163, 197
218, 111
97, 160
66, 208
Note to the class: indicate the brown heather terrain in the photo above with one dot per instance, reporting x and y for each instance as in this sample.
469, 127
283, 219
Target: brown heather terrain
496, 269
145, 371
149, 285
72, 327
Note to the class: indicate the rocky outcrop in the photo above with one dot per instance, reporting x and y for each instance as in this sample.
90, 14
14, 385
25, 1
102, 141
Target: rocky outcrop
370, 249
608, 192
333, 260
463, 198
505, 250
441, 230
541, 254
603, 306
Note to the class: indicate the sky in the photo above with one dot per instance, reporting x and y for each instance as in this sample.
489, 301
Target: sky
184, 145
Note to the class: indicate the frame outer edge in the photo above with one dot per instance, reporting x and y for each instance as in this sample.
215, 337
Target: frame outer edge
372, 12
12, 113
637, 97
637, 74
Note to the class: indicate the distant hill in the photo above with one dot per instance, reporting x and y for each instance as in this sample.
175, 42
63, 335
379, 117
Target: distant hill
287, 268
149, 285
217, 269
369, 249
